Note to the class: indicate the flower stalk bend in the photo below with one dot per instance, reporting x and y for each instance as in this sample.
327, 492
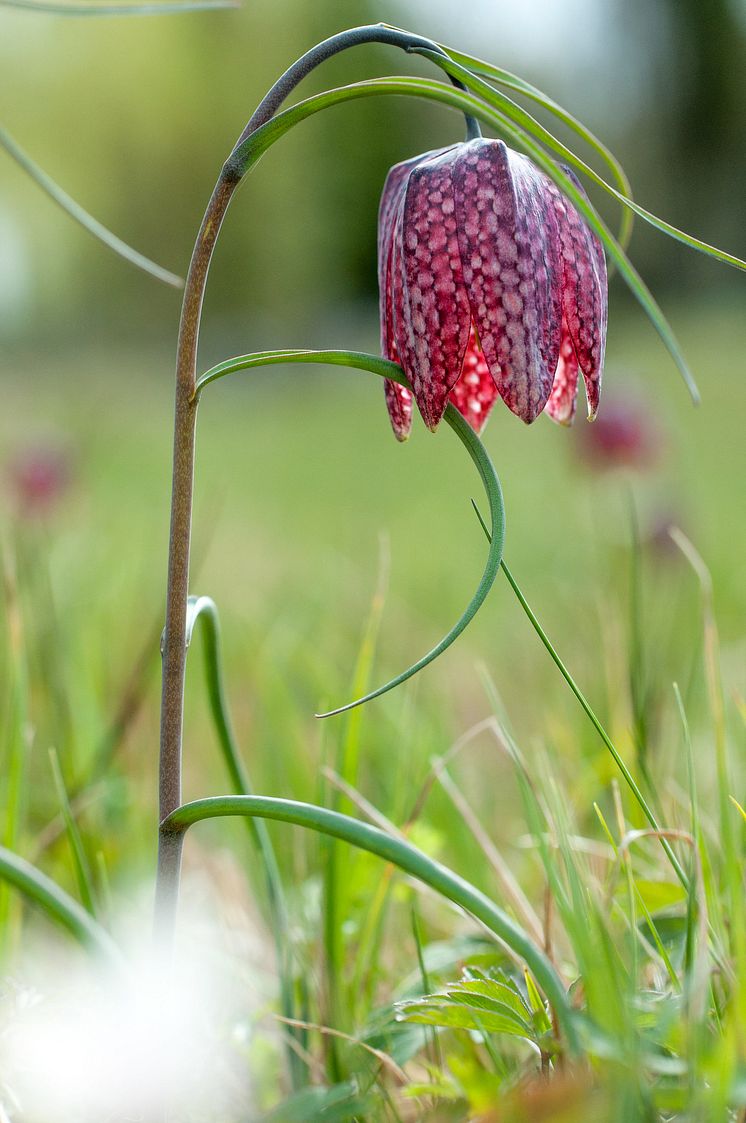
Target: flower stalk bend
174, 640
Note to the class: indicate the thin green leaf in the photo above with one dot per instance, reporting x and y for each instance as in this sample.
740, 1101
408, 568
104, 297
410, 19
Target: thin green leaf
135, 9
407, 858
81, 216
57, 904
513, 112
466, 435
586, 706
203, 611
83, 873
248, 152
526, 89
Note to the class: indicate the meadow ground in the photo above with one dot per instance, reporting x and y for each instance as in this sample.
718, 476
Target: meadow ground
305, 507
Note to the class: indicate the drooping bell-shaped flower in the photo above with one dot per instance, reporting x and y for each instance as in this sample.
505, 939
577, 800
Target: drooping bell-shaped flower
490, 283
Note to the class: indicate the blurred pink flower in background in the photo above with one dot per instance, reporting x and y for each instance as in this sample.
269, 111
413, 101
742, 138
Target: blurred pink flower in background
37, 477
622, 436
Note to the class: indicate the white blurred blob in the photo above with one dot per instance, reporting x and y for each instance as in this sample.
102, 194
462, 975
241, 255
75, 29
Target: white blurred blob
96, 1047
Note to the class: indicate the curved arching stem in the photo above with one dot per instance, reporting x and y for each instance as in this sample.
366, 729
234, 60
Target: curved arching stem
372, 33
407, 858
185, 417
386, 369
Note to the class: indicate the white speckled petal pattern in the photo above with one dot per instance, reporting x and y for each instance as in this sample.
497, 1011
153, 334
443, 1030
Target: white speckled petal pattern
431, 311
398, 399
490, 282
585, 298
511, 263
561, 404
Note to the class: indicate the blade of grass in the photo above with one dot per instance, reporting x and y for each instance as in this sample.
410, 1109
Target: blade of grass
203, 611
628, 777
337, 874
57, 904
18, 738
81, 216
82, 866
95, 9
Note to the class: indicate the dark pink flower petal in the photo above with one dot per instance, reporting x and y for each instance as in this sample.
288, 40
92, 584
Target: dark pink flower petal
510, 253
475, 392
398, 398
585, 298
431, 311
564, 395
393, 189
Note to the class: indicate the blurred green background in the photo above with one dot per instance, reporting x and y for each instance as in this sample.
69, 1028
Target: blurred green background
299, 479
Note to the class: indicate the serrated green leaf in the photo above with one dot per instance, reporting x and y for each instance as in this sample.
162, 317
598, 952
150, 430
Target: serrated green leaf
459, 1016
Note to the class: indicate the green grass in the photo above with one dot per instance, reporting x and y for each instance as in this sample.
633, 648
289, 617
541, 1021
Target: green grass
307, 512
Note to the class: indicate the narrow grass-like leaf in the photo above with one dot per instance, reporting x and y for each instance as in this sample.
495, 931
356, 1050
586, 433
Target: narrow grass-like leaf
156, 8
17, 738
628, 777
248, 151
468, 438
81, 216
83, 874
203, 611
57, 904
407, 858
514, 114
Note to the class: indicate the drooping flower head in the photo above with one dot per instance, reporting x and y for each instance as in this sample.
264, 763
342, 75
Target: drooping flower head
490, 283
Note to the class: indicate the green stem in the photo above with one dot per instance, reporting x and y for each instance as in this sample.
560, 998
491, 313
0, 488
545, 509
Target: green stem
407, 858
386, 369
628, 777
203, 610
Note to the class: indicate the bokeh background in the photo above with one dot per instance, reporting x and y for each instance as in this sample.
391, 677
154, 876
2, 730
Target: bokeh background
301, 489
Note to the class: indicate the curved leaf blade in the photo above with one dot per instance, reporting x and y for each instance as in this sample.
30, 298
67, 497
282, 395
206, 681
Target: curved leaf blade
81, 216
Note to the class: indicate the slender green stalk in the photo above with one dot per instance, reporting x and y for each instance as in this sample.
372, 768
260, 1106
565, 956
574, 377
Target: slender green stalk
81, 216
628, 777
83, 873
407, 858
203, 611
57, 904
185, 418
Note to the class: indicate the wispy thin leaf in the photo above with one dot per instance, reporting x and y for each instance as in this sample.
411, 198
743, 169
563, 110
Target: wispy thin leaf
81, 216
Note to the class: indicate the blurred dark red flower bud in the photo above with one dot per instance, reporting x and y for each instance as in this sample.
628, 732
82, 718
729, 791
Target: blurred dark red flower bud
490, 283
624, 436
37, 479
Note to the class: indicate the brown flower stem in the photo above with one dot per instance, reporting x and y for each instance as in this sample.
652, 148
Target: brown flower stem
174, 637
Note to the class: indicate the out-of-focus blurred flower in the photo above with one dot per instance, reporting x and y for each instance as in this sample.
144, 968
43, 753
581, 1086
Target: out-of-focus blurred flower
37, 478
490, 283
624, 436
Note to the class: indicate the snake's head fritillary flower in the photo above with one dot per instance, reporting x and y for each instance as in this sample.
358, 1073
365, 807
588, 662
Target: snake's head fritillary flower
490, 283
